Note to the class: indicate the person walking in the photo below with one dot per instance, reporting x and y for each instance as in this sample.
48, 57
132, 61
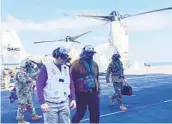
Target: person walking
85, 76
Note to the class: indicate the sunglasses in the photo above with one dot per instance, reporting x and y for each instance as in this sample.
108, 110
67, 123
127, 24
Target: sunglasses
89, 53
64, 57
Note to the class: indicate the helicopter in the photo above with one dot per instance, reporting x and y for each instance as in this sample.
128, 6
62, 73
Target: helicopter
67, 39
118, 32
73, 45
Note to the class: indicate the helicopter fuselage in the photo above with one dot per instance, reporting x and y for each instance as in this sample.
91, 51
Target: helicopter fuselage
68, 38
114, 16
119, 39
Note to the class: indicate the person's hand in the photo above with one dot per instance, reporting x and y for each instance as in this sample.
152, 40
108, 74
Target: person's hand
45, 107
73, 104
124, 81
121, 79
30, 79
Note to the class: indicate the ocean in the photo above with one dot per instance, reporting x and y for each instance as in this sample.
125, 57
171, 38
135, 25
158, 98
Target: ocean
160, 63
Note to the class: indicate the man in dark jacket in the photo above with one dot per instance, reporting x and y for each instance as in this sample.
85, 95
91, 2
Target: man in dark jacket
85, 75
115, 69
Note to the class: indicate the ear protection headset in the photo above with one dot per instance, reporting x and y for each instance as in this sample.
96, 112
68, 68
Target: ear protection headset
59, 51
116, 56
56, 53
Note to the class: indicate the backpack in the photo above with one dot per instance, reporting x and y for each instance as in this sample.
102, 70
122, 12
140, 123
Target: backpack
13, 95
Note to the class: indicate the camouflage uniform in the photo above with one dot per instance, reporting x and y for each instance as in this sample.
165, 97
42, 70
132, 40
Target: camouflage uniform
33, 72
24, 94
115, 69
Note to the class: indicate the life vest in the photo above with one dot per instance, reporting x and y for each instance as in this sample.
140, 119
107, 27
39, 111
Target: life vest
57, 87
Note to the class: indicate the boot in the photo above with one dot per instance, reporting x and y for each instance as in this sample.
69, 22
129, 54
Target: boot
111, 100
123, 108
36, 117
23, 122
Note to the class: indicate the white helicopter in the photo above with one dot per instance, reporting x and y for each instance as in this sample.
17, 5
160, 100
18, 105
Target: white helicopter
73, 45
118, 33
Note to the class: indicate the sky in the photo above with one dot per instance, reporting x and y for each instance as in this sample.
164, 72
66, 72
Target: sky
34, 20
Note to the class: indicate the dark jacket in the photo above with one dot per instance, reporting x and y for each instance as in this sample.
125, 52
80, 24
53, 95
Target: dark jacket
78, 71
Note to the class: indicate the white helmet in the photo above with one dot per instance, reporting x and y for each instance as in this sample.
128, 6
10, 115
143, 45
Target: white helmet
88, 48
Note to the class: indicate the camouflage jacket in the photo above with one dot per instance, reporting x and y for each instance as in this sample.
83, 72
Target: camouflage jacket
33, 72
115, 69
23, 85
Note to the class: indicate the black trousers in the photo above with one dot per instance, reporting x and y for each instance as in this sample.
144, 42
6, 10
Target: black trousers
84, 99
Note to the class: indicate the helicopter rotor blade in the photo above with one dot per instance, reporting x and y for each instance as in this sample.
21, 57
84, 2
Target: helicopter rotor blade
102, 18
49, 41
97, 17
76, 37
61, 40
42, 42
157, 10
76, 42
